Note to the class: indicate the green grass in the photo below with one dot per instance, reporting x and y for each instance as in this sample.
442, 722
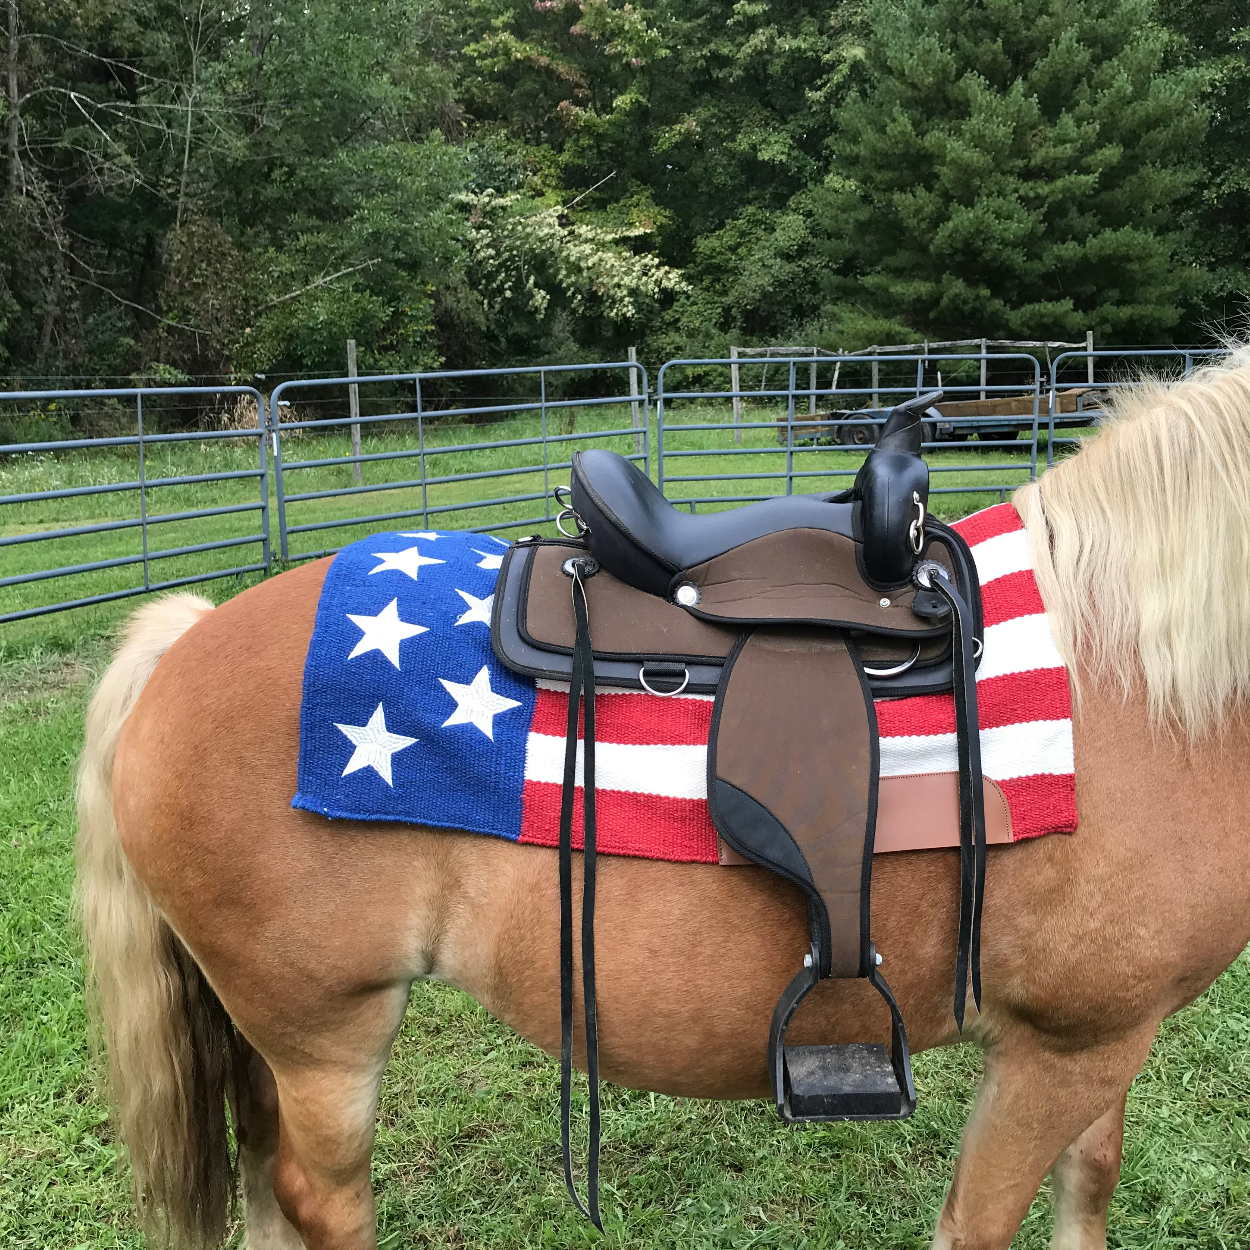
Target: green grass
468, 1145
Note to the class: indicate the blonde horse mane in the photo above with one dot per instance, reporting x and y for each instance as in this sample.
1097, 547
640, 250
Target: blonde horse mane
1141, 545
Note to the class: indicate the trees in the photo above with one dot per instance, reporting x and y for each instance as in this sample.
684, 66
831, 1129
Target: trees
1015, 168
1216, 37
237, 189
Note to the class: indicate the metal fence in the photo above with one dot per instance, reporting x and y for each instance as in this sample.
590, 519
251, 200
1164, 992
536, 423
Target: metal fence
776, 442
144, 509
1127, 368
406, 442
114, 475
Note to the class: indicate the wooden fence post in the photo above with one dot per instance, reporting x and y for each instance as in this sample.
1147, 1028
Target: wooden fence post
353, 400
1089, 347
737, 400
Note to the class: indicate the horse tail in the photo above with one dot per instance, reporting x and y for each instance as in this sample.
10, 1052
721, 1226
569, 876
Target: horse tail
171, 1049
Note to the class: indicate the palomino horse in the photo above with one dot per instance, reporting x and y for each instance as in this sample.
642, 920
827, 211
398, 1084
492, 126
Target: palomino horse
244, 952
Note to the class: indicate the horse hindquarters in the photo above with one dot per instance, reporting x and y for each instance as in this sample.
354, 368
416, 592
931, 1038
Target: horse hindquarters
170, 1047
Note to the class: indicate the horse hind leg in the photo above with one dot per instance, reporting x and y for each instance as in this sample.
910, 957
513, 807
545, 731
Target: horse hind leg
327, 1100
1035, 1103
256, 1124
1084, 1178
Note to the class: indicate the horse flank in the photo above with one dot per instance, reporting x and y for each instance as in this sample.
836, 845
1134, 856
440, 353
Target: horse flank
1141, 548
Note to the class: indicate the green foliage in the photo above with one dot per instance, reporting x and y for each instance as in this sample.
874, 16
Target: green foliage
1216, 37
1015, 168
237, 190
530, 266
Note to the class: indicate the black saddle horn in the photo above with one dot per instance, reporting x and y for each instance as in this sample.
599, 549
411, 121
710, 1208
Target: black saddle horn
892, 487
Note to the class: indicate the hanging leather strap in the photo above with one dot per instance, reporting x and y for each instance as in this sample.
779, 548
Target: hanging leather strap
581, 690
932, 576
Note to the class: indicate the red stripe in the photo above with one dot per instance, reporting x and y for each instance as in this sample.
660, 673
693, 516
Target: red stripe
1012, 699
1002, 518
1043, 803
648, 826
630, 719
1009, 596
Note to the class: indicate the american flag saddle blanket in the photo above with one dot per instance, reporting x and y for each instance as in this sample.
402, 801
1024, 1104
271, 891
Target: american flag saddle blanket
408, 716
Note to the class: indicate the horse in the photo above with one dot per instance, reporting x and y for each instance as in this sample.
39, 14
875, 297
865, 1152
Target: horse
249, 964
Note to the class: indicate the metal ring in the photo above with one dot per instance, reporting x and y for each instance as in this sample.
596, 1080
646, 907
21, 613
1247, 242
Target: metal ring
568, 490
915, 531
662, 694
976, 648
582, 527
898, 668
580, 566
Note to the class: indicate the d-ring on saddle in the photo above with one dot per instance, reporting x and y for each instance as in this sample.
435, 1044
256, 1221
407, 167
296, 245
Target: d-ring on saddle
797, 612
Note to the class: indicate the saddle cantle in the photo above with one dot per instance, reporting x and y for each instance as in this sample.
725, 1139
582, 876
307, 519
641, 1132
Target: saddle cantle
797, 612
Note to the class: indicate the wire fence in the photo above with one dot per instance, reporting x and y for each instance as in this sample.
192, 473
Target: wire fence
108, 494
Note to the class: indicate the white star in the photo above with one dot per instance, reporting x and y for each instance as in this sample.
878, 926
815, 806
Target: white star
489, 560
476, 704
407, 561
479, 609
503, 542
422, 534
384, 632
375, 745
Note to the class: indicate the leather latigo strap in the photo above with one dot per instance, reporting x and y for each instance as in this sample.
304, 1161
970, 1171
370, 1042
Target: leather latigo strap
581, 698
972, 855
792, 778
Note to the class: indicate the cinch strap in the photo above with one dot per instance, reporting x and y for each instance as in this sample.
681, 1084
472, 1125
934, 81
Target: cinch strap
583, 675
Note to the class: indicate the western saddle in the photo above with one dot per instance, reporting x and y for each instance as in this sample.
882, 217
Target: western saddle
796, 612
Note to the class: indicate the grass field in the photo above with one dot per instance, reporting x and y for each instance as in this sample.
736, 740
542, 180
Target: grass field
468, 1147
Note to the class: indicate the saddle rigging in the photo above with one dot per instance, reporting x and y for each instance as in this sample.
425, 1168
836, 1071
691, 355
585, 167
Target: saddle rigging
796, 612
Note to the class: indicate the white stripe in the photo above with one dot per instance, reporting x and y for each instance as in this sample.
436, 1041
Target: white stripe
1003, 554
675, 772
1018, 646
1039, 746
562, 687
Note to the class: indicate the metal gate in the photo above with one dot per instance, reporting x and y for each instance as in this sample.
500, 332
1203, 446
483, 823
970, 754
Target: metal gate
109, 493
812, 428
413, 450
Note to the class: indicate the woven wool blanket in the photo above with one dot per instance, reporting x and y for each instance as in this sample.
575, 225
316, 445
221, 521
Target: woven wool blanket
408, 716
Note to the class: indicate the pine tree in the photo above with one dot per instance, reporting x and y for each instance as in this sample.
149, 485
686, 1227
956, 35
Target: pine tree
1016, 168
1217, 38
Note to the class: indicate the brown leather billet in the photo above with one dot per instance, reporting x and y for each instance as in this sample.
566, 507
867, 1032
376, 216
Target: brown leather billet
921, 812
793, 731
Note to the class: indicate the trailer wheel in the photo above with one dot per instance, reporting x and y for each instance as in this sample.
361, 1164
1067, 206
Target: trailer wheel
862, 434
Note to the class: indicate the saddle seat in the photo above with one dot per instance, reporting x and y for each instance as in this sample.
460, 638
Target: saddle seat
648, 543
645, 541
